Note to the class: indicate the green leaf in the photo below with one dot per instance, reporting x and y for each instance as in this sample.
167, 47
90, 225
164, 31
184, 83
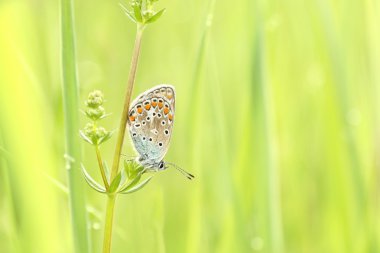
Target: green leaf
128, 13
91, 182
137, 12
132, 168
115, 183
105, 137
131, 183
138, 187
155, 16
84, 137
105, 115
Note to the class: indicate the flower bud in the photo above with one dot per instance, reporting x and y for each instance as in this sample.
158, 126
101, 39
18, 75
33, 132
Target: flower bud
95, 113
95, 99
100, 132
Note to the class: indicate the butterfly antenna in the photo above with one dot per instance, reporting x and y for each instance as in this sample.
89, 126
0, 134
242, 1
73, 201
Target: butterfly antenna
182, 171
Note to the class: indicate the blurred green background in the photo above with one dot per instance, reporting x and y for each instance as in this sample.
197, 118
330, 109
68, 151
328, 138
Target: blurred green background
277, 116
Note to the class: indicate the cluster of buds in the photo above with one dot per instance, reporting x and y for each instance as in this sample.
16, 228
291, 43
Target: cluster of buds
132, 169
92, 133
142, 11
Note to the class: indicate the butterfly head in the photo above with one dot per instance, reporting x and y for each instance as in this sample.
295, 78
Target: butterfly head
150, 164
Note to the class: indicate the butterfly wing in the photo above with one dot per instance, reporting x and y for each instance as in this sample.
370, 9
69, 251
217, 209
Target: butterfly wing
150, 122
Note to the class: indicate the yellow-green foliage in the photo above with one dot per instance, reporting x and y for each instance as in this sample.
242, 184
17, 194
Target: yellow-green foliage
277, 116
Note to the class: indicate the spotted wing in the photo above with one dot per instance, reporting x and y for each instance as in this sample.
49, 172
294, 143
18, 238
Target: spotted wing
150, 122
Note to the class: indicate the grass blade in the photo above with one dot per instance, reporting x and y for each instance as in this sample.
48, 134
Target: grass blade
70, 99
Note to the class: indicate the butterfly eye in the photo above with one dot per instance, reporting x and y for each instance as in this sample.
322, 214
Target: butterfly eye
161, 166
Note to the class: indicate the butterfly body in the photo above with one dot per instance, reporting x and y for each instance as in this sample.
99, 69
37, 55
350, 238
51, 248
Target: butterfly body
150, 123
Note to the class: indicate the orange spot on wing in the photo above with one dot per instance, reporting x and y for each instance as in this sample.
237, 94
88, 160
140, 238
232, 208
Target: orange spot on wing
169, 96
170, 117
139, 109
166, 110
132, 118
154, 104
147, 107
160, 105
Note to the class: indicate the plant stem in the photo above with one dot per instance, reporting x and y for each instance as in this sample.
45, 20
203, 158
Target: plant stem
120, 139
128, 94
101, 167
108, 225
73, 152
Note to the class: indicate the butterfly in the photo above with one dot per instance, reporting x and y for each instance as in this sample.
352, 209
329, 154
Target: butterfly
150, 124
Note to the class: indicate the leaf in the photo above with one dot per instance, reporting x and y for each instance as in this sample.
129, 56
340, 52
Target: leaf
91, 182
105, 115
138, 187
105, 137
115, 183
137, 12
155, 16
84, 137
131, 183
132, 168
128, 13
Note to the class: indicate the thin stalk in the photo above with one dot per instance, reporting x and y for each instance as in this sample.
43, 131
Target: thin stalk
120, 139
108, 226
266, 116
73, 152
101, 167
127, 100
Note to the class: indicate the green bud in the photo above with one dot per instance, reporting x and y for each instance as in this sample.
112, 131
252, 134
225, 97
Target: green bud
132, 168
95, 113
148, 14
100, 132
134, 3
94, 134
90, 129
95, 99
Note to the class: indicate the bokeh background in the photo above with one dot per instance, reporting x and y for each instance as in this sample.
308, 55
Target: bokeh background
277, 115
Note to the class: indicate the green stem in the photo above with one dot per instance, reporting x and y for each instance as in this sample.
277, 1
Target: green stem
108, 225
101, 167
120, 138
73, 151
127, 100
